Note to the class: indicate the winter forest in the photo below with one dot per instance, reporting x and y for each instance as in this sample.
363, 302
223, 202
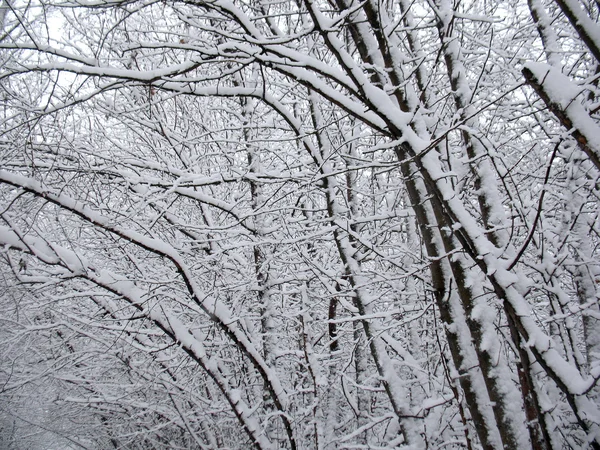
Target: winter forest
299, 224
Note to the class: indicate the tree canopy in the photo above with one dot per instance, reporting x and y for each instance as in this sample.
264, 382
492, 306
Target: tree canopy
299, 224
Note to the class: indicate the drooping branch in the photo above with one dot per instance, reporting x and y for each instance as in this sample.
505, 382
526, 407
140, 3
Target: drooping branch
560, 96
